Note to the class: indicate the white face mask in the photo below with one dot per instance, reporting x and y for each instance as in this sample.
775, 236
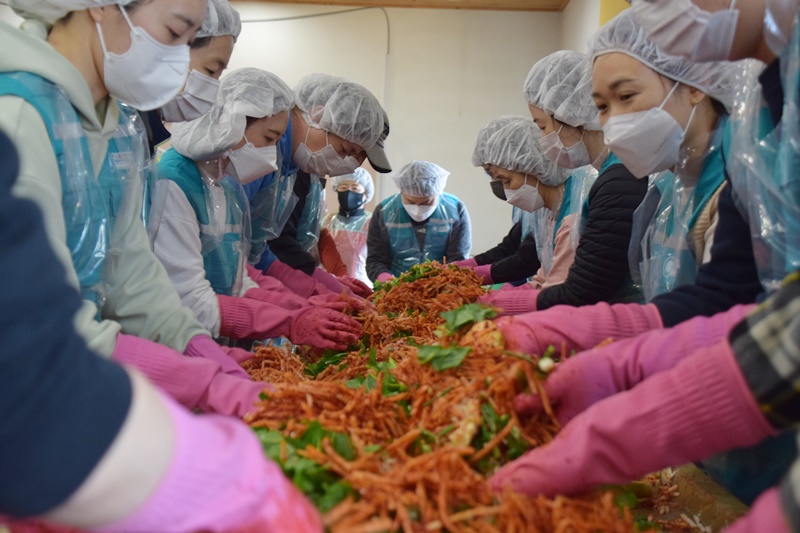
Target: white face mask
149, 74
526, 197
325, 161
574, 156
251, 163
420, 213
646, 141
196, 99
681, 28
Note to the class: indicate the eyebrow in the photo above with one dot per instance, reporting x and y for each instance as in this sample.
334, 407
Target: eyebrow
615, 85
276, 132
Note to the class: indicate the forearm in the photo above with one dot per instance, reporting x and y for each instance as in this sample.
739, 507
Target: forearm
507, 247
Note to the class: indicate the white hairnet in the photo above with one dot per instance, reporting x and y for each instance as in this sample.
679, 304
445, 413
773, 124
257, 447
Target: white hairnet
341, 107
479, 152
221, 19
421, 178
561, 86
245, 92
624, 34
359, 176
49, 11
516, 147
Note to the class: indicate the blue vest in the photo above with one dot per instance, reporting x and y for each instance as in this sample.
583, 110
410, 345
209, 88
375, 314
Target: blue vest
403, 238
222, 248
272, 200
763, 168
310, 218
90, 204
667, 258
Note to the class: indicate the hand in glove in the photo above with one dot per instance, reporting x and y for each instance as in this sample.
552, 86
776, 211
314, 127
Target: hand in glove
593, 375
700, 407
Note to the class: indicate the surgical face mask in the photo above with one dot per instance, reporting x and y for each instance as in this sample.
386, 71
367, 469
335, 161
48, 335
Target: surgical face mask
149, 74
251, 163
526, 197
350, 201
325, 161
574, 156
497, 189
420, 213
196, 99
646, 141
681, 28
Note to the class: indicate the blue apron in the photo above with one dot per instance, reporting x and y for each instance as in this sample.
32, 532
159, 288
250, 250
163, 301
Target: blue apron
403, 238
90, 204
223, 248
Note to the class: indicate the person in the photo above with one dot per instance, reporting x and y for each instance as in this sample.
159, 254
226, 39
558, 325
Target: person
676, 112
533, 183
209, 54
335, 125
135, 458
642, 414
88, 182
201, 234
558, 92
348, 227
766, 128
421, 223
515, 259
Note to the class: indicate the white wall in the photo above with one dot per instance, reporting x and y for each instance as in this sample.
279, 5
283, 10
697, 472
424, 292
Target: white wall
580, 19
449, 72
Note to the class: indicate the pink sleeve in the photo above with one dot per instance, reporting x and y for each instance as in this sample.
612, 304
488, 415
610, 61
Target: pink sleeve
563, 255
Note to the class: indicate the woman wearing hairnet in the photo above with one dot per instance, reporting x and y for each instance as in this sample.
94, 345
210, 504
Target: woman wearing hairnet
79, 161
515, 259
558, 92
335, 125
348, 227
716, 384
421, 223
209, 54
525, 178
667, 121
199, 225
761, 159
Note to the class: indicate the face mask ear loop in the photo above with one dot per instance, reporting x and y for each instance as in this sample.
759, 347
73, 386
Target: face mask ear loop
125, 15
669, 95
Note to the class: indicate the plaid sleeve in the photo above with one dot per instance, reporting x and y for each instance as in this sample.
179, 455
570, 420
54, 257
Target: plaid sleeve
767, 347
790, 495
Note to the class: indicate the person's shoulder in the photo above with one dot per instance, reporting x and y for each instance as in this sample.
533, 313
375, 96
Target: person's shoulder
174, 166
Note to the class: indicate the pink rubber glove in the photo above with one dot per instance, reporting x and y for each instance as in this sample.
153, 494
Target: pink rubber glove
239, 355
193, 381
321, 328
513, 301
286, 300
384, 276
593, 375
299, 282
337, 302
207, 348
356, 286
579, 328
766, 514
268, 283
701, 407
219, 480
465, 263
331, 282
